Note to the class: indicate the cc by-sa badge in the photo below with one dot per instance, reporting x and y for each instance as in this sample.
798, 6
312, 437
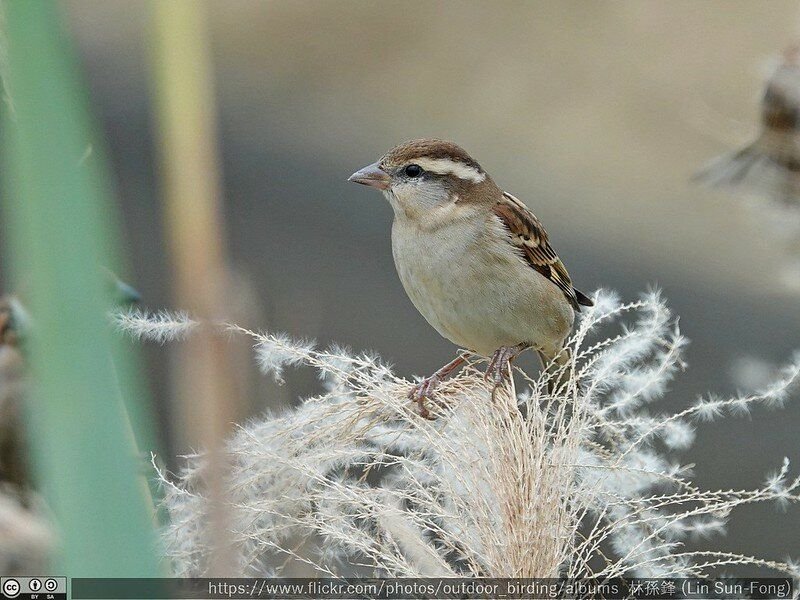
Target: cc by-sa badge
11, 588
33, 588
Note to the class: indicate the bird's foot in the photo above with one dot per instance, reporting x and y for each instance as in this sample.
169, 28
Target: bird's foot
427, 386
499, 369
423, 390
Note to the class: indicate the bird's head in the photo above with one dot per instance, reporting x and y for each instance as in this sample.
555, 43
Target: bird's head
425, 175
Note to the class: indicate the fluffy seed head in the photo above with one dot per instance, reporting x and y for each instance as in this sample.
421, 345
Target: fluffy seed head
499, 485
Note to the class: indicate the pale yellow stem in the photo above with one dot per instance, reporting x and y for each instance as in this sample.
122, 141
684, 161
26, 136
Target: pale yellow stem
189, 167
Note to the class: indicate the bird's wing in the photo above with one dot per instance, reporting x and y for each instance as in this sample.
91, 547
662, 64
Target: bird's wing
779, 106
527, 233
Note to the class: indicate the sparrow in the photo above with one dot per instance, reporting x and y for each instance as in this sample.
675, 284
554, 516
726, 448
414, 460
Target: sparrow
770, 164
473, 259
16, 325
14, 459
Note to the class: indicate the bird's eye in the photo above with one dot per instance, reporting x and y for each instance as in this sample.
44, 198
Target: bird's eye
413, 170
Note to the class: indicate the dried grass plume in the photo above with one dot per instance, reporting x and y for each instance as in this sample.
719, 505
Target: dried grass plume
517, 483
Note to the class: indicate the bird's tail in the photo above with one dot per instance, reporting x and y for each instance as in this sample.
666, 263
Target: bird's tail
558, 370
769, 167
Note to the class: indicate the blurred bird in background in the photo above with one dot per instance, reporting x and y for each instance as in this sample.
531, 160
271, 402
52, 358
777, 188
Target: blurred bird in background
770, 165
15, 325
473, 259
14, 467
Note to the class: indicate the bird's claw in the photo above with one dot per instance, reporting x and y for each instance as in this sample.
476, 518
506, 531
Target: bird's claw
498, 372
423, 390
499, 369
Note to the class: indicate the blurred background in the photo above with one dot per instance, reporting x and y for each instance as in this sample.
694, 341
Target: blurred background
594, 114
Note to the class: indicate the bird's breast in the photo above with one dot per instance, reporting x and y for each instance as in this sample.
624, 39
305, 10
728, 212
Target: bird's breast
474, 289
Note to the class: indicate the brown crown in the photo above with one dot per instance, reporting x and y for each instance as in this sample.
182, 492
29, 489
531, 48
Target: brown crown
427, 148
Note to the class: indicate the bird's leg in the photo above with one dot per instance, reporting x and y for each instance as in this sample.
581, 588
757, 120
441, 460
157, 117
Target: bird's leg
428, 385
500, 365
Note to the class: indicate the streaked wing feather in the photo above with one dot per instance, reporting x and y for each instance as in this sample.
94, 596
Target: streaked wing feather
527, 233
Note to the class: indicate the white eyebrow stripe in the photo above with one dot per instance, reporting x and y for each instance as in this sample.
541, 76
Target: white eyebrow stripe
444, 166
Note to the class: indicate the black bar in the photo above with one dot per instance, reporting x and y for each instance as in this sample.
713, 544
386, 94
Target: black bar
780, 588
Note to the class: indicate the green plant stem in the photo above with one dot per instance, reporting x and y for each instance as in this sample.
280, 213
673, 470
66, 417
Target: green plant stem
59, 229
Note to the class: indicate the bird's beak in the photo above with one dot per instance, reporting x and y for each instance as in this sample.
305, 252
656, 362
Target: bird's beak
373, 176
